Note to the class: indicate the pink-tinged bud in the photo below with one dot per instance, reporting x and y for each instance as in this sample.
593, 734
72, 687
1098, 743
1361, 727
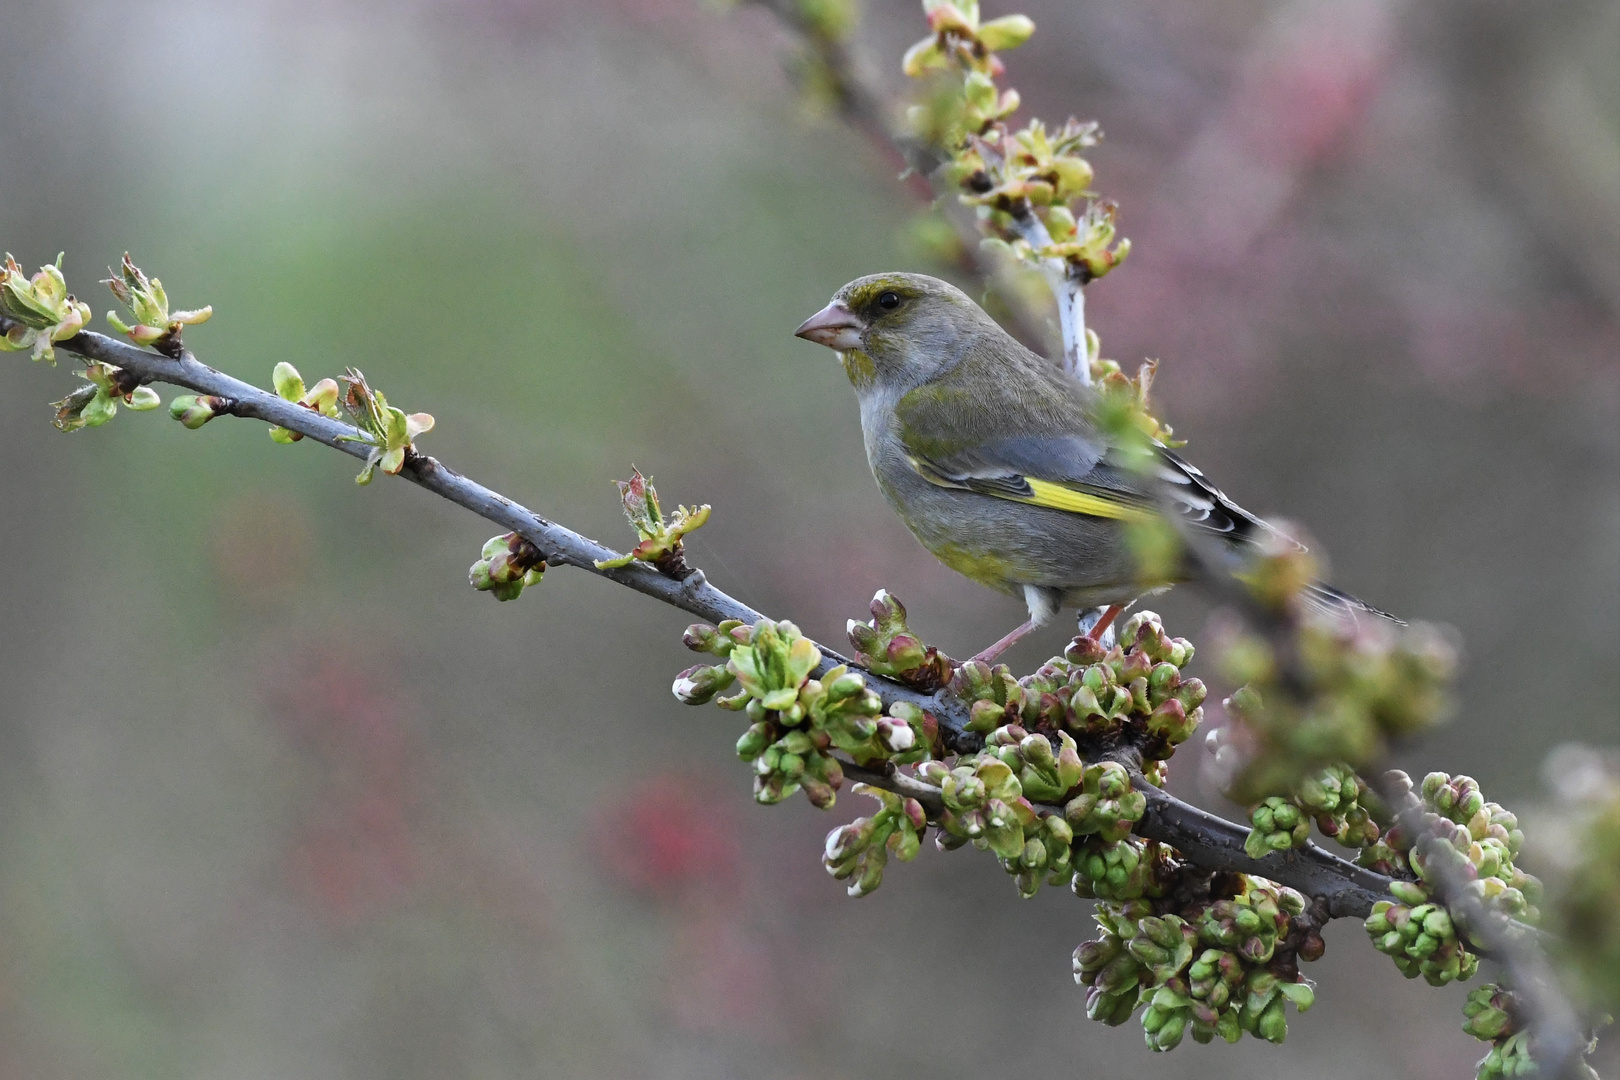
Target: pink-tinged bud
821, 794
888, 613
322, 398
945, 17
1084, 650
698, 685
915, 815
846, 840
895, 736
700, 637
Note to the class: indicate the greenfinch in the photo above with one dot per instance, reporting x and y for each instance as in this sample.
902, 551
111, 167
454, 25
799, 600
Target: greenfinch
994, 457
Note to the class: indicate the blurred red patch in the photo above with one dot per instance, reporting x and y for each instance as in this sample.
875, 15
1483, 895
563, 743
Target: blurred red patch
356, 851
673, 836
261, 546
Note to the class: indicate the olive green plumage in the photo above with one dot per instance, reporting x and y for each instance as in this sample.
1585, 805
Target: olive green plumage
992, 456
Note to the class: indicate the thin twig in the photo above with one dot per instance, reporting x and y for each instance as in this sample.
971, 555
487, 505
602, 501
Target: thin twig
1555, 1025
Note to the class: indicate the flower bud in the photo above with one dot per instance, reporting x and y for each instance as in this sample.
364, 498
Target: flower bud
699, 684
193, 410
754, 741
896, 737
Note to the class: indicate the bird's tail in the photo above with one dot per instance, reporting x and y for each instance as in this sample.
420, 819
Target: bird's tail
1325, 598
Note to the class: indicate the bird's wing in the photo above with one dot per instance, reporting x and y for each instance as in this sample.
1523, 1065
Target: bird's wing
1058, 460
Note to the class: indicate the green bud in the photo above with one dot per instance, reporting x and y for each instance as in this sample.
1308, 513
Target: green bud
288, 383
754, 741
1007, 32
1408, 892
1273, 1026
143, 398
193, 411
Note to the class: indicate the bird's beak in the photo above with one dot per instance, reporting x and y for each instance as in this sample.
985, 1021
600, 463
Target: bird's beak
834, 326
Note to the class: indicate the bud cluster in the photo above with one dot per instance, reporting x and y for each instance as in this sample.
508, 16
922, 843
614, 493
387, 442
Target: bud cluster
886, 646
1044, 774
1491, 1014
94, 405
1461, 833
390, 432
1510, 1057
858, 851
1364, 681
508, 565
985, 805
1125, 869
1135, 952
41, 310
1330, 796
1107, 806
798, 720
1123, 409
1333, 797
1276, 824
1420, 936
1480, 839
155, 324
991, 801
1213, 969
1021, 183
1005, 799
1133, 691
658, 541
289, 385
1478, 836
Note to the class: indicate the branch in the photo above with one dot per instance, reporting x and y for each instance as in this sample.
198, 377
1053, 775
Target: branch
1560, 1044
559, 544
1068, 290
1200, 836
864, 105
1215, 843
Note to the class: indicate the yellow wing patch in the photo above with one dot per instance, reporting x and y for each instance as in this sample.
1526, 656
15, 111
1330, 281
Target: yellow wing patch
1058, 497
1052, 496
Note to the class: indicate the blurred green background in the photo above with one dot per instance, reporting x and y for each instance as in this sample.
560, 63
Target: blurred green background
283, 797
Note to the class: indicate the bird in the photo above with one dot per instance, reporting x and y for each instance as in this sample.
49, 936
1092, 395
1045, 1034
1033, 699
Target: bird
994, 458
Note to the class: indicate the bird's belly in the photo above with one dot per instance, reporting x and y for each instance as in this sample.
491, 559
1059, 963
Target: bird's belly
1007, 545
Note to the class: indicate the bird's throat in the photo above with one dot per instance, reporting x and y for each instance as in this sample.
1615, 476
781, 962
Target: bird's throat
858, 367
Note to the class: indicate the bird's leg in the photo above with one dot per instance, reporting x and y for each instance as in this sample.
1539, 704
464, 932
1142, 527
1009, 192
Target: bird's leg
1107, 620
990, 655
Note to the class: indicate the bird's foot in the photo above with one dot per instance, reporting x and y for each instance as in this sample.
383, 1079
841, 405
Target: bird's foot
993, 653
1101, 626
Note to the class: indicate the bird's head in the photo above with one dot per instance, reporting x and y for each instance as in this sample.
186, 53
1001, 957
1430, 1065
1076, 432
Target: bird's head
897, 329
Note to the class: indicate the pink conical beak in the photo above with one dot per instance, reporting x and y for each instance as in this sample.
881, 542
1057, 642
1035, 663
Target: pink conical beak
834, 326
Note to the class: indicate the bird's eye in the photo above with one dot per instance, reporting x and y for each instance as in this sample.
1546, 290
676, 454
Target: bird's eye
888, 301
